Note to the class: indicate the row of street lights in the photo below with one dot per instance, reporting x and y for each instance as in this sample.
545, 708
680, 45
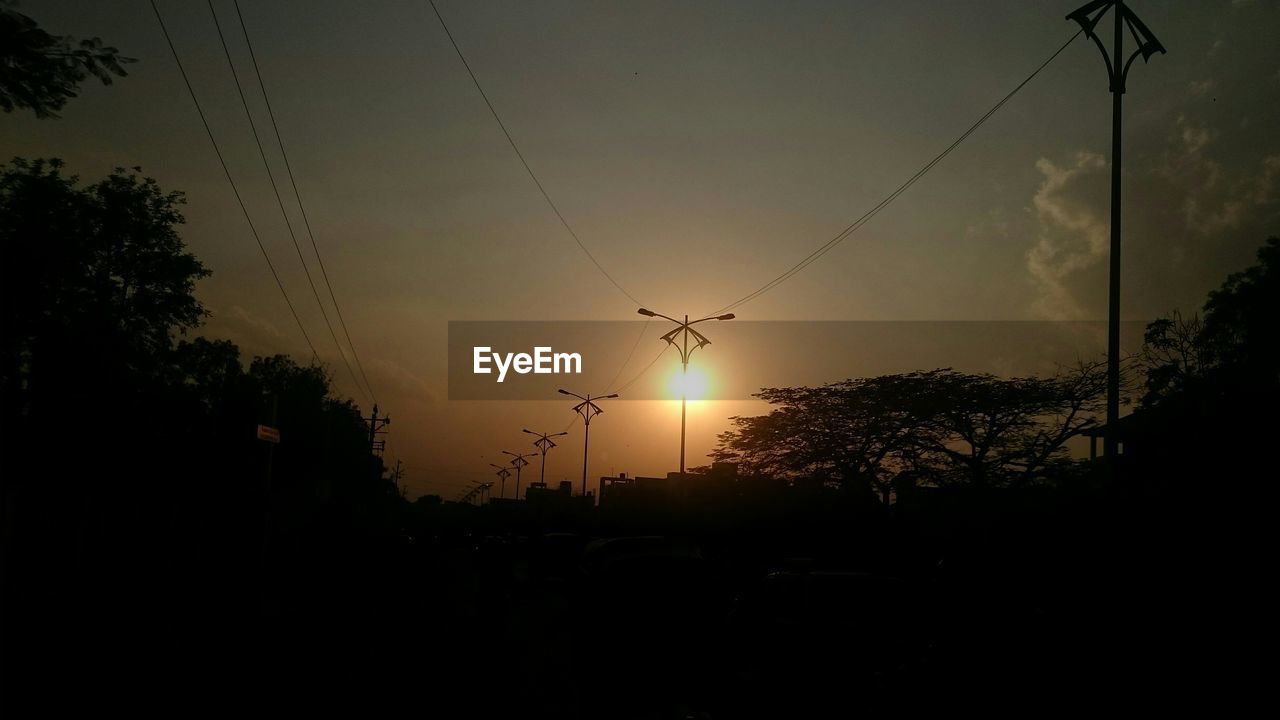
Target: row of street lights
588, 407
1118, 63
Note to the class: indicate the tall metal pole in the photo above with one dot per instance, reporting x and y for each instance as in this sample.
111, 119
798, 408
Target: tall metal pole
587, 409
586, 440
700, 340
1113, 304
1124, 20
544, 443
502, 473
518, 462
684, 393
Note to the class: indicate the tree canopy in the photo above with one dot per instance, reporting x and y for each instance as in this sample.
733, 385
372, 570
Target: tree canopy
1232, 349
942, 427
40, 71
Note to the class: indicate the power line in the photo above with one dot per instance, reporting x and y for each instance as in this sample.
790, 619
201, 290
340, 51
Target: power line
306, 221
524, 162
622, 367
239, 200
279, 201
644, 370
826, 247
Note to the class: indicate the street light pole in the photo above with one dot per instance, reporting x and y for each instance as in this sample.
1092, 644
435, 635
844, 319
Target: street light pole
544, 443
700, 340
518, 463
1088, 16
504, 474
587, 409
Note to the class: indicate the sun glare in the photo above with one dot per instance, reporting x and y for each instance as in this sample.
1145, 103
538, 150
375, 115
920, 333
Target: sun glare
695, 383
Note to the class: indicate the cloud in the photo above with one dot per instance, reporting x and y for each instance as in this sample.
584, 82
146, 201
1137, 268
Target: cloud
1213, 200
1073, 233
391, 379
253, 334
1200, 88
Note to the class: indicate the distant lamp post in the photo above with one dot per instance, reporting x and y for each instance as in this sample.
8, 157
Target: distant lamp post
502, 473
684, 329
1118, 66
518, 462
587, 409
544, 443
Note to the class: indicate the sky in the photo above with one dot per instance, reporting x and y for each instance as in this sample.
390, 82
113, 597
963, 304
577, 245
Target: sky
698, 149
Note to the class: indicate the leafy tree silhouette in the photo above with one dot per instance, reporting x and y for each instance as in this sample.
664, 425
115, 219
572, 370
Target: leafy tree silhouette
88, 273
1233, 351
40, 71
943, 426
1215, 381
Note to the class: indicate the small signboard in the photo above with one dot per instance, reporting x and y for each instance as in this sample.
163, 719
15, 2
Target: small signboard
268, 434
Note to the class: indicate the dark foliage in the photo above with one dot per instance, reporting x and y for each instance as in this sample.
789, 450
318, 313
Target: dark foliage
40, 71
940, 427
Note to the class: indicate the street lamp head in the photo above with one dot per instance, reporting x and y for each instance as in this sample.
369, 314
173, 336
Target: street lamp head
647, 313
562, 391
1081, 15
606, 397
726, 316
528, 431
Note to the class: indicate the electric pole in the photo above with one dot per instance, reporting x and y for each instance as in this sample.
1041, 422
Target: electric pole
502, 473
544, 443
376, 425
587, 409
518, 462
685, 330
1118, 66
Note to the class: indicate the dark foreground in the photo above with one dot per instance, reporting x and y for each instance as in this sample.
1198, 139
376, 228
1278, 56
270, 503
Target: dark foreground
1026, 604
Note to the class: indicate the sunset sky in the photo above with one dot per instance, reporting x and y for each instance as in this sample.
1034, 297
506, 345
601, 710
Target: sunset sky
699, 149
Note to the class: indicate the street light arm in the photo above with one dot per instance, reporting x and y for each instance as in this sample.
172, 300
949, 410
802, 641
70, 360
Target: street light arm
1146, 40
1087, 24
726, 316
650, 313
566, 392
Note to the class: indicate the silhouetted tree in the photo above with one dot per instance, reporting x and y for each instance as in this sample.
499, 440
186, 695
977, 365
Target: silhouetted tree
852, 433
941, 426
1235, 350
1173, 354
989, 431
1240, 321
96, 284
40, 71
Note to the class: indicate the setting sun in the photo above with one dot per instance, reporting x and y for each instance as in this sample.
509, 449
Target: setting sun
693, 385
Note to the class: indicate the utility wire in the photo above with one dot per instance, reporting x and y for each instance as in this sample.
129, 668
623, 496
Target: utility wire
630, 354
640, 374
239, 200
826, 247
525, 163
280, 201
306, 221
